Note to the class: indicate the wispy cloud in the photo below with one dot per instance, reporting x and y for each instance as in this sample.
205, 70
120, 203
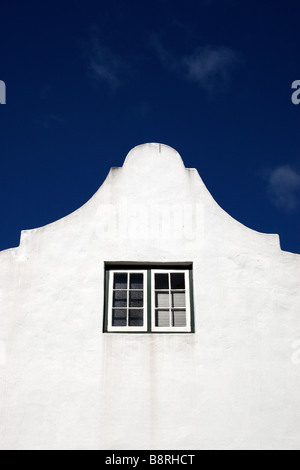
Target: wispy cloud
161, 52
105, 65
49, 121
284, 188
210, 67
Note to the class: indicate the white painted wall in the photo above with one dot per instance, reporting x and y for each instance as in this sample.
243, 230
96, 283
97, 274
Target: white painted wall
234, 384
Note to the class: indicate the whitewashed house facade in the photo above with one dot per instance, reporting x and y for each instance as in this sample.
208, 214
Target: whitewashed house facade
149, 319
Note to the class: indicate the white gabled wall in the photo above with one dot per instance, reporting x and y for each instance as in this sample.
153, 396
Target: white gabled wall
64, 384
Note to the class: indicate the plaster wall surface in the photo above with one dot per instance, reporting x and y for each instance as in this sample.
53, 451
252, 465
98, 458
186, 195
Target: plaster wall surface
233, 384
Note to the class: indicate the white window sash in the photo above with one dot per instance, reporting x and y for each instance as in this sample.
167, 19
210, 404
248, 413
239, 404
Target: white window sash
126, 329
172, 329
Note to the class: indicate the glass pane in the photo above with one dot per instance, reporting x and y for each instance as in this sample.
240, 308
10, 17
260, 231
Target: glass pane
162, 299
136, 281
136, 317
136, 298
177, 281
178, 299
161, 281
119, 317
120, 298
120, 280
179, 318
162, 318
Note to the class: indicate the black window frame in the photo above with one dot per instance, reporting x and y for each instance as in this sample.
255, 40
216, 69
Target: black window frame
148, 314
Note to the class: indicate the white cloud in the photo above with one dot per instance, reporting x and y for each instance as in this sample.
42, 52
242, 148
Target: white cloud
161, 52
284, 188
49, 120
105, 65
211, 67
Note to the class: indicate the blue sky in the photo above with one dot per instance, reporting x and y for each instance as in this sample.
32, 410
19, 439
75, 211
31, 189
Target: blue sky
87, 81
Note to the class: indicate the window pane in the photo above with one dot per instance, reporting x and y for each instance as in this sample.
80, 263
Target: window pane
162, 299
177, 281
179, 318
136, 298
178, 299
120, 298
162, 318
120, 280
136, 281
161, 281
119, 317
136, 317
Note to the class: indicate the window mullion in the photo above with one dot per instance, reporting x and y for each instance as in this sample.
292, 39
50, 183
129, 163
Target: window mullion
170, 301
128, 285
147, 308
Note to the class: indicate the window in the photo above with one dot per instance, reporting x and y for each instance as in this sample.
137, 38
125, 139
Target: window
152, 299
127, 300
